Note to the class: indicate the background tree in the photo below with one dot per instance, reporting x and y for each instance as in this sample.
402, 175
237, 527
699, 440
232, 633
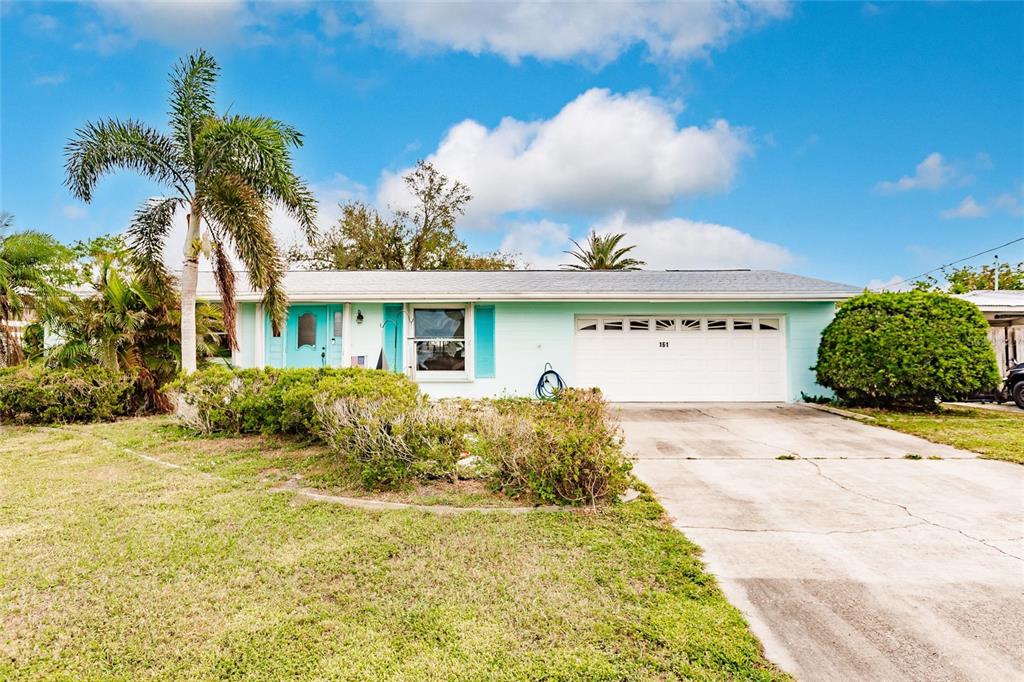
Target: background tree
34, 267
225, 171
602, 252
967, 278
423, 237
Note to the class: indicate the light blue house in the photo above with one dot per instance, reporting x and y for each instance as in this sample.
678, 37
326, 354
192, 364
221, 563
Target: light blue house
695, 335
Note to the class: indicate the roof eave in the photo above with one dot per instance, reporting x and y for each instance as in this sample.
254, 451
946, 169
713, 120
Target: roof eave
675, 297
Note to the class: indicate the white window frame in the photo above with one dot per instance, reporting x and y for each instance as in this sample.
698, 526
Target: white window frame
468, 339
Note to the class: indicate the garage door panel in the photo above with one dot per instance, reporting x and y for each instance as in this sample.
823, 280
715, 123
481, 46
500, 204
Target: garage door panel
693, 360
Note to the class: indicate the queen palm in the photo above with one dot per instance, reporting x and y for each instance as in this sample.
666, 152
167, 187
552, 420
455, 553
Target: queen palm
225, 171
602, 252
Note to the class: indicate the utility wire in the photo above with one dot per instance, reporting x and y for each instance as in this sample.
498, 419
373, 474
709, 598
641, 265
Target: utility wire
961, 260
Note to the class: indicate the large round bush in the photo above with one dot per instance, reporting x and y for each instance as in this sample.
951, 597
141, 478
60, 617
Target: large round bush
910, 348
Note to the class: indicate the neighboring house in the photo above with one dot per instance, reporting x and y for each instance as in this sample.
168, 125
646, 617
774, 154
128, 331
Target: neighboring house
696, 335
1004, 311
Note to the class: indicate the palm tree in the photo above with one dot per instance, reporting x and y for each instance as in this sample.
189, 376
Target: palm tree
30, 272
225, 171
602, 252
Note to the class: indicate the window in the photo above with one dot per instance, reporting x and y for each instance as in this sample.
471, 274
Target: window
690, 324
586, 324
641, 325
440, 339
715, 325
338, 324
307, 330
665, 325
612, 325
742, 324
768, 324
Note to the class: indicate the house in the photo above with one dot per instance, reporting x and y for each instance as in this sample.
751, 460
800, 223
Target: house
677, 335
1004, 311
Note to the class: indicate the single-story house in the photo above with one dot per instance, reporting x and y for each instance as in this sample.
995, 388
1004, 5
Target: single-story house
1004, 311
676, 335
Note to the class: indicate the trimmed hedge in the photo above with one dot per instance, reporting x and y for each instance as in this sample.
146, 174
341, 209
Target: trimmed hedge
906, 348
219, 400
34, 394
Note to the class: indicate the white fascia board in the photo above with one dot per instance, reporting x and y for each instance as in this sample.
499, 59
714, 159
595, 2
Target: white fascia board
611, 297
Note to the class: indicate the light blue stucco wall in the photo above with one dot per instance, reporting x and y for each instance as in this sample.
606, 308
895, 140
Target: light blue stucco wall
530, 334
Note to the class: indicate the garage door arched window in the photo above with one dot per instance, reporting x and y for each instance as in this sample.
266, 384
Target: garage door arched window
307, 330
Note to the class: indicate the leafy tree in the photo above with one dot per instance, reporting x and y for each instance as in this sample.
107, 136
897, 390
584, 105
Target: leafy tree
419, 238
224, 171
602, 252
34, 267
123, 325
906, 348
967, 278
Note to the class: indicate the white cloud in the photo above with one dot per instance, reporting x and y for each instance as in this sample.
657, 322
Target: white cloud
172, 22
540, 245
894, 283
593, 32
601, 152
74, 212
681, 244
49, 79
968, 208
1011, 203
932, 173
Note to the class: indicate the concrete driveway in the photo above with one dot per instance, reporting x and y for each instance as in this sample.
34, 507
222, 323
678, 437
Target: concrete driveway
849, 561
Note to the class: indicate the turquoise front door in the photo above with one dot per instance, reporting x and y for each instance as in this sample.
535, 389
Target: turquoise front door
307, 338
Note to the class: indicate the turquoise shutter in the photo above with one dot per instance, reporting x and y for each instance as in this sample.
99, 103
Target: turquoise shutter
483, 334
393, 336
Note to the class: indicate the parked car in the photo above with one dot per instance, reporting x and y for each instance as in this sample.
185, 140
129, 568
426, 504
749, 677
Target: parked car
1013, 387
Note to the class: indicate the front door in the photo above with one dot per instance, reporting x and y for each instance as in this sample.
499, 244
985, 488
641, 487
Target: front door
307, 336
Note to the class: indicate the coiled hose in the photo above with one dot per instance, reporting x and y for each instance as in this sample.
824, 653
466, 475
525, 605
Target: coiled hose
550, 384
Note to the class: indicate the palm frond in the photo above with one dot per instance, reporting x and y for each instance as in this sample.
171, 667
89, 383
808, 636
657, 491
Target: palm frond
147, 234
98, 148
225, 276
192, 101
241, 215
275, 302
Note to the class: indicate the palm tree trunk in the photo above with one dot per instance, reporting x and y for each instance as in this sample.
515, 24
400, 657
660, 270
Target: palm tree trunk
189, 282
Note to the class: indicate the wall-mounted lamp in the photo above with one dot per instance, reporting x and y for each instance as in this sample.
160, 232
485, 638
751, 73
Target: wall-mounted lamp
359, 317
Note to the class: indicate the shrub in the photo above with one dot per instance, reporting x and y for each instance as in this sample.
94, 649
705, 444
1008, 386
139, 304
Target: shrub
389, 446
565, 452
217, 399
906, 348
38, 395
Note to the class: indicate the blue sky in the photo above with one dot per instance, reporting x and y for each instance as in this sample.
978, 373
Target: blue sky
853, 141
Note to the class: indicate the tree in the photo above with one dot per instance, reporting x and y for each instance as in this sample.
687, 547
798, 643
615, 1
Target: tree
967, 278
419, 238
906, 348
602, 252
34, 267
225, 171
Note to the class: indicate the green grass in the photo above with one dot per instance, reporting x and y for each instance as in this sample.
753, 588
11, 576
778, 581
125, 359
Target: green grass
992, 434
117, 568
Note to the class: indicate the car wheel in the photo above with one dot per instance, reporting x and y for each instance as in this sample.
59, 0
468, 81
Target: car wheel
1018, 394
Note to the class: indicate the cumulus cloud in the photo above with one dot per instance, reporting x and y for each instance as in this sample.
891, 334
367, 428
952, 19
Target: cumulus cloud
681, 244
932, 173
539, 245
968, 208
593, 32
601, 152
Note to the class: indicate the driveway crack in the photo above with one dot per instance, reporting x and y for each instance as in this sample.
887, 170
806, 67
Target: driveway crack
801, 531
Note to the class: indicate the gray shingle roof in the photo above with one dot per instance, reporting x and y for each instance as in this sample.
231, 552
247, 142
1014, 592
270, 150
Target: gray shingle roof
387, 285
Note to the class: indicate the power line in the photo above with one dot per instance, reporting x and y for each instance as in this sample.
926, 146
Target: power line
961, 260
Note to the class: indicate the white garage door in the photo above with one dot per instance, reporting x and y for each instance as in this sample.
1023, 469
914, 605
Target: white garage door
705, 358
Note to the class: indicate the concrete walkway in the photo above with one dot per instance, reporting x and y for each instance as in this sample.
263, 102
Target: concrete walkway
849, 561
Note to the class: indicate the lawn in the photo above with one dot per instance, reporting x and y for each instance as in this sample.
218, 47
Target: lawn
114, 567
992, 434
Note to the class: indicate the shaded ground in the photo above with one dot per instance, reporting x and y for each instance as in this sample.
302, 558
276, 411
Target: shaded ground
114, 567
849, 561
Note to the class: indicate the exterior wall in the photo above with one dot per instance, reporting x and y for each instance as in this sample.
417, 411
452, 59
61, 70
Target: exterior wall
245, 356
530, 334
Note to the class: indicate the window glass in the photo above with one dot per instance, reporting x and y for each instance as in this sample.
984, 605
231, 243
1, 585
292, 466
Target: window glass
768, 324
337, 324
690, 324
586, 324
436, 355
639, 325
612, 325
665, 325
438, 323
715, 324
742, 324
307, 330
